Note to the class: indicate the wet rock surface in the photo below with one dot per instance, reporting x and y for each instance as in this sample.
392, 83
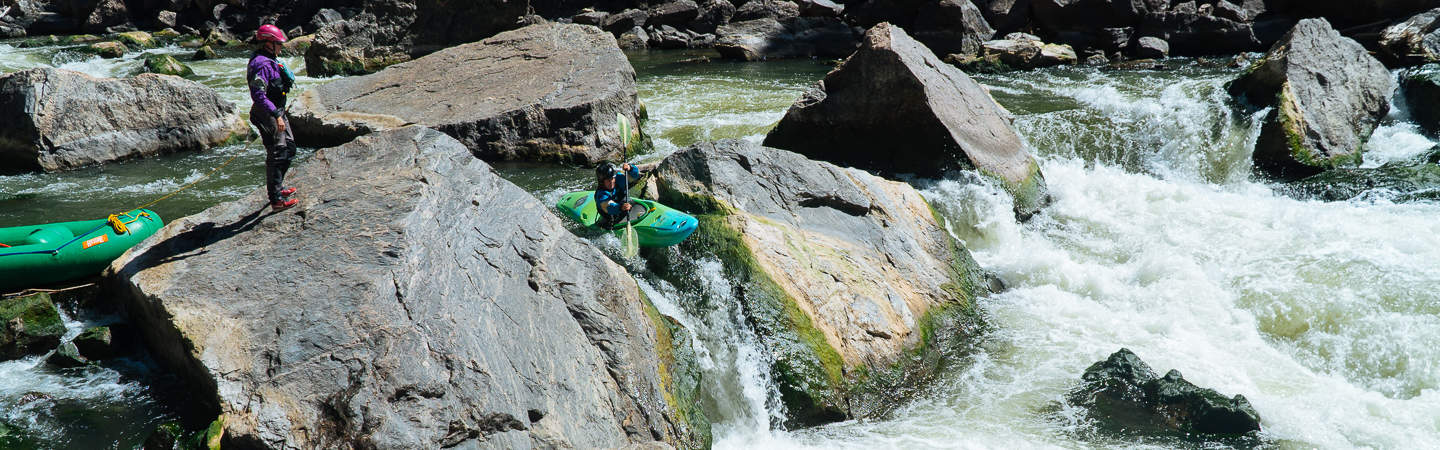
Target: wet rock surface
1124, 395
1413, 41
931, 118
1327, 94
413, 299
126, 118
29, 325
839, 270
550, 92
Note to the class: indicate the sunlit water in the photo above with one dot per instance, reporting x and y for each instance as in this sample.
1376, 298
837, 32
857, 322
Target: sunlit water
1160, 239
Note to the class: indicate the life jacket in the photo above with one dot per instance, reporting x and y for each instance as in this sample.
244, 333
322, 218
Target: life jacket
278, 89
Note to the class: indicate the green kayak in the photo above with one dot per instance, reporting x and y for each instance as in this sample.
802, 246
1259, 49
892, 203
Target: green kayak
40, 254
656, 225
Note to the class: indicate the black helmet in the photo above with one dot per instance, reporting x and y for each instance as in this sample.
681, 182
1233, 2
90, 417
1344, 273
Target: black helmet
604, 170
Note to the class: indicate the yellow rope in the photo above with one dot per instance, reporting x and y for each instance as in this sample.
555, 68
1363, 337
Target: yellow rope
120, 226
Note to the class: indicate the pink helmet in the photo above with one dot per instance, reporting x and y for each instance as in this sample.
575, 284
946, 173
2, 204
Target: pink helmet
269, 32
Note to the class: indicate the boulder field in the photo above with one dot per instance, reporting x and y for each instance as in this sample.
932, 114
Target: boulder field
145, 115
548, 92
413, 299
850, 281
894, 107
1327, 95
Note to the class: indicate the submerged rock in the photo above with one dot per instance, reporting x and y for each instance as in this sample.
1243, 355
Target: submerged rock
1414, 41
1123, 395
126, 118
95, 343
846, 277
1399, 182
413, 299
894, 107
550, 92
1422, 95
29, 325
1327, 94
204, 53
67, 357
799, 37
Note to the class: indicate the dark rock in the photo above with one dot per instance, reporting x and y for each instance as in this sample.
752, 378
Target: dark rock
861, 261
391, 31
1018, 51
551, 94
1230, 11
95, 343
1421, 91
144, 115
322, 18
713, 14
590, 18
1328, 94
165, 65
778, 10
204, 53
67, 357
29, 325
399, 342
1006, 16
801, 37
1152, 47
1414, 41
136, 39
820, 8
1199, 34
1349, 13
1123, 394
624, 20
669, 38
1083, 15
635, 39
941, 118
164, 437
106, 16
945, 26
676, 13
1398, 182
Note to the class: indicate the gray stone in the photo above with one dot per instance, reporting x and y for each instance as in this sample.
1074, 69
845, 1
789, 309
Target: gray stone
820, 8
1151, 47
1414, 41
29, 325
590, 18
427, 303
801, 37
204, 53
1200, 34
945, 26
551, 93
1230, 11
144, 115
863, 259
778, 10
1005, 15
676, 13
635, 39
931, 118
387, 32
1019, 51
713, 14
624, 20
67, 357
109, 50
165, 65
1122, 394
323, 17
1327, 94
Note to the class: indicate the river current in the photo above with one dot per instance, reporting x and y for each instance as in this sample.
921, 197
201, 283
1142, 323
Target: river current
1160, 239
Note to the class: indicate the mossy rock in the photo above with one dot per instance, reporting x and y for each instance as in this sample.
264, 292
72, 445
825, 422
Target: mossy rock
136, 39
205, 53
67, 357
680, 375
165, 65
95, 343
297, 46
83, 39
42, 41
29, 325
165, 436
108, 49
193, 42
1399, 182
167, 35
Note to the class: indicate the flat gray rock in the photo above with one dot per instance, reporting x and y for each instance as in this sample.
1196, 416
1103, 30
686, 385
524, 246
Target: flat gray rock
413, 299
56, 119
547, 92
894, 107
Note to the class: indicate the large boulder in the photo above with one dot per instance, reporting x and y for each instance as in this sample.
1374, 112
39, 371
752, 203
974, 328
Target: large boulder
1414, 41
1123, 394
894, 107
125, 118
413, 299
549, 92
800, 37
1201, 33
1351, 13
390, 31
1006, 16
1018, 51
945, 26
1327, 95
1421, 89
29, 325
851, 281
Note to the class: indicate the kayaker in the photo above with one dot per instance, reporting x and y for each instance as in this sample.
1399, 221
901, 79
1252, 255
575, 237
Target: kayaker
270, 83
612, 192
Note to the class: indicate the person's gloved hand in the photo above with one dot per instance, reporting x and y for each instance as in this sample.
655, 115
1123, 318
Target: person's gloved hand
625, 207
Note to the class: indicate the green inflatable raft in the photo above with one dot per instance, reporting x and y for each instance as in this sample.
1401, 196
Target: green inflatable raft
656, 226
39, 254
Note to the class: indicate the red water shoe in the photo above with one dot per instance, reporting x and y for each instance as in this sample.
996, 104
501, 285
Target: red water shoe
283, 205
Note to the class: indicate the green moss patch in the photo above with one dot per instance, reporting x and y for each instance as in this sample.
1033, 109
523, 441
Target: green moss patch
680, 375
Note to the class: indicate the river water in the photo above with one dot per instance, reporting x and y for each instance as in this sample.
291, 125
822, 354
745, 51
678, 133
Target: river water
1160, 240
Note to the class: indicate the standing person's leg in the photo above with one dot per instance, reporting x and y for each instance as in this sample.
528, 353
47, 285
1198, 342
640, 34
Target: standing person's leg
269, 135
285, 154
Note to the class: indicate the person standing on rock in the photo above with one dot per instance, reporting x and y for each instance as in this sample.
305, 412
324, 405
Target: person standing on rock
612, 193
270, 83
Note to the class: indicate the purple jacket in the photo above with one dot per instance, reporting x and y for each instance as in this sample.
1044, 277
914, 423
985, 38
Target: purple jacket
264, 75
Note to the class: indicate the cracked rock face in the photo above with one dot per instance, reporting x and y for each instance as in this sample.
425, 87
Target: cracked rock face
413, 299
547, 92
